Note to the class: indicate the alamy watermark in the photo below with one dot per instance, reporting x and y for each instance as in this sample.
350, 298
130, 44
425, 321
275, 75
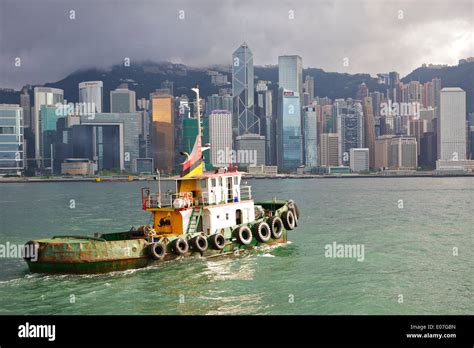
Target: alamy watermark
37, 331
14, 251
76, 109
244, 157
400, 109
336, 250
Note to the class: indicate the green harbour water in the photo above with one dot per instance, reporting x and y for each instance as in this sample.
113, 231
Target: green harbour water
417, 233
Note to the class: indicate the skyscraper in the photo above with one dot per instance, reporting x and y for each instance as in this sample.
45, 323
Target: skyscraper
403, 154
220, 137
290, 74
250, 149
369, 129
162, 131
329, 149
350, 127
122, 100
265, 111
43, 96
362, 91
308, 87
310, 136
11, 140
244, 119
289, 136
25, 103
393, 90
452, 125
219, 102
92, 92
359, 161
49, 118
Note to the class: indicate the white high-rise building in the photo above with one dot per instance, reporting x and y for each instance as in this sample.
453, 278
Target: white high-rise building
452, 125
220, 137
359, 159
92, 92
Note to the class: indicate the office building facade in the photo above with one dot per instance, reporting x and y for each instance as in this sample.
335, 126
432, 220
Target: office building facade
289, 133
220, 138
162, 132
123, 100
244, 119
310, 122
359, 160
92, 92
12, 160
329, 152
452, 125
350, 127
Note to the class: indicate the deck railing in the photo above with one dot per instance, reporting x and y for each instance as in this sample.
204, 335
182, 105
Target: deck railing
245, 193
167, 200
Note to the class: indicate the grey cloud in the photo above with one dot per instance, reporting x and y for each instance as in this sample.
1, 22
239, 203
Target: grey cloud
368, 32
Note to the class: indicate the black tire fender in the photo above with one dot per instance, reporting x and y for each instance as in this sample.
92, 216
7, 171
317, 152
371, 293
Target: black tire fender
157, 251
289, 220
180, 246
243, 234
217, 241
276, 226
199, 243
261, 231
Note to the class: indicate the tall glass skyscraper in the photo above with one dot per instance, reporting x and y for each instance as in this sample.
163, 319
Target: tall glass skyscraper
49, 118
290, 74
289, 137
244, 118
43, 96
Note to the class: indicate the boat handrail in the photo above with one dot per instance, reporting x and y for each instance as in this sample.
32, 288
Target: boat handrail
80, 237
245, 193
157, 200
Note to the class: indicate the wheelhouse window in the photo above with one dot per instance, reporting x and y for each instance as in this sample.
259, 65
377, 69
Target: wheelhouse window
213, 182
203, 183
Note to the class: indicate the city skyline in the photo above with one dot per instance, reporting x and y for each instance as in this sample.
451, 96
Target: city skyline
157, 130
439, 33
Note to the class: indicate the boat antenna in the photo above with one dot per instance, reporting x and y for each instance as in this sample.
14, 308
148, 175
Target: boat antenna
159, 187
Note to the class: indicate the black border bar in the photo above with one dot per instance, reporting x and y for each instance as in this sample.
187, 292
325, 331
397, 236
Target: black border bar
262, 330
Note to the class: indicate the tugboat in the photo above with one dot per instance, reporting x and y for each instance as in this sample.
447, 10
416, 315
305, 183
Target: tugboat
208, 215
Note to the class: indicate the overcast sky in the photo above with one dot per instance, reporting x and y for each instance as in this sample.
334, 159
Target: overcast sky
370, 33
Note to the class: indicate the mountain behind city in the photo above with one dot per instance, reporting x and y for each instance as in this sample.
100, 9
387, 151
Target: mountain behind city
145, 77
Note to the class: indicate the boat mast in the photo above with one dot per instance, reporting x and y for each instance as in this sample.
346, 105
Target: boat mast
198, 104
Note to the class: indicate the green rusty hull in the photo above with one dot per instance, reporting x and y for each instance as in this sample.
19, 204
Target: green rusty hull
50, 261
122, 251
